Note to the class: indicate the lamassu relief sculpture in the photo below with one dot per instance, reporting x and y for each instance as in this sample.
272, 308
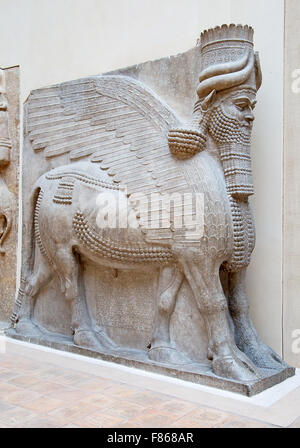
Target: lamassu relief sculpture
118, 151
5, 147
9, 136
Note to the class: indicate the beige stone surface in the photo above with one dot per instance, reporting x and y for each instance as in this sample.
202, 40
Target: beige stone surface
10, 176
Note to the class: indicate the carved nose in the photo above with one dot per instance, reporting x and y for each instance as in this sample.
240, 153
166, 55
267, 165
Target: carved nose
249, 117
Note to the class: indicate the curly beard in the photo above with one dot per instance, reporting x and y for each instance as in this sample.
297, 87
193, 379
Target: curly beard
233, 142
225, 129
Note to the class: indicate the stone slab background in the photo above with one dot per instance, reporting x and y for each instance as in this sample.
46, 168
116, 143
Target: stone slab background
56, 41
125, 304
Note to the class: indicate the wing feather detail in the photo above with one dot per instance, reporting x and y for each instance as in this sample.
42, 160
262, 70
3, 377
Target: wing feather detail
113, 121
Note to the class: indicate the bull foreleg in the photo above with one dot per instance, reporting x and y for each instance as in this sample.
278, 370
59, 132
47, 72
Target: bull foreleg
246, 336
227, 360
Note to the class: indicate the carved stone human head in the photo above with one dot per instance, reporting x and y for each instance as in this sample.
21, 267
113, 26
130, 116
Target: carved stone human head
228, 83
230, 77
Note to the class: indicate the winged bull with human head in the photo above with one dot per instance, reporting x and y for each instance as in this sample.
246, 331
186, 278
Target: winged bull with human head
118, 133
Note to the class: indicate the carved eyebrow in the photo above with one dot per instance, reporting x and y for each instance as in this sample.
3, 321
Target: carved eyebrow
242, 98
245, 99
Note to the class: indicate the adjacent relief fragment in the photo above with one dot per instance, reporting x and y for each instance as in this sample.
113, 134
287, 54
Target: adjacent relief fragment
9, 141
6, 199
6, 212
110, 271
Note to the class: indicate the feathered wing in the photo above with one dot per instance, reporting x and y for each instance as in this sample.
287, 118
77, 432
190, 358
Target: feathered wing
113, 121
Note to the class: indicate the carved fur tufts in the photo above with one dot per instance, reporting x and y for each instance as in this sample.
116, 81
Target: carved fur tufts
125, 252
185, 143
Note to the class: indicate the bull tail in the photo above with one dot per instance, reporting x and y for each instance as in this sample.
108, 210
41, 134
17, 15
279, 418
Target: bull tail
28, 246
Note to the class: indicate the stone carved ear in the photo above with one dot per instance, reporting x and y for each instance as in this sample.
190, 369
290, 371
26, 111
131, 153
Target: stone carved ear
186, 142
207, 102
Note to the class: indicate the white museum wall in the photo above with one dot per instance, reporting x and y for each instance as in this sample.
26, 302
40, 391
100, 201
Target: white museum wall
59, 40
291, 186
265, 271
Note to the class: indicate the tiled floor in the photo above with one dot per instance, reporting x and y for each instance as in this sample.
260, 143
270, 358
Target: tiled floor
44, 395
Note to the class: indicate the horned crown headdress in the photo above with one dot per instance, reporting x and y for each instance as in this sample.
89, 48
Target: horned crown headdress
228, 59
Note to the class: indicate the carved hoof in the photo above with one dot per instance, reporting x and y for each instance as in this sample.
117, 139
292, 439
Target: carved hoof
235, 369
167, 355
105, 340
28, 328
87, 339
264, 357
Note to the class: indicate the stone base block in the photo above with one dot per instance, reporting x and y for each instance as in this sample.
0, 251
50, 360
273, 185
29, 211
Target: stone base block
193, 372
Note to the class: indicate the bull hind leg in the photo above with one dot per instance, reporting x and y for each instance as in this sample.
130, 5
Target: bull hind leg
161, 349
81, 324
227, 360
40, 277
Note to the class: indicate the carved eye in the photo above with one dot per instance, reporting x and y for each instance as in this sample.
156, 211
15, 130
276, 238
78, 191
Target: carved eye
241, 106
